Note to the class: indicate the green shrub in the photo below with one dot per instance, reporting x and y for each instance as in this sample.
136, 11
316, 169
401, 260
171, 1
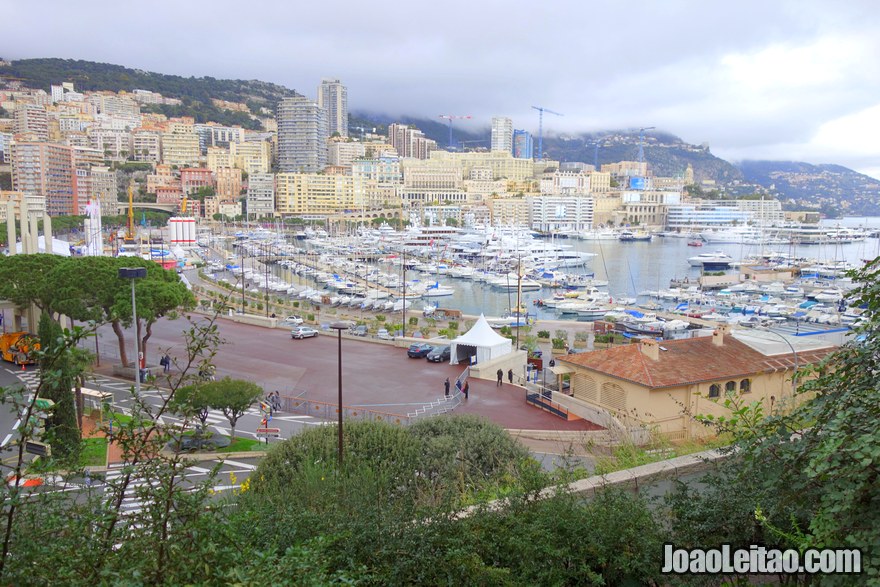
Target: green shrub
543, 334
558, 343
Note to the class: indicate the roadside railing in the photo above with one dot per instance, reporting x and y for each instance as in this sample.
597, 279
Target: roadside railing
330, 412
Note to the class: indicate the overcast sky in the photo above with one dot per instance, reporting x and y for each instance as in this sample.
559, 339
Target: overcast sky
756, 79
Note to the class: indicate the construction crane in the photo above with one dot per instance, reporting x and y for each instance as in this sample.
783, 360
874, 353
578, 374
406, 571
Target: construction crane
541, 110
129, 227
450, 118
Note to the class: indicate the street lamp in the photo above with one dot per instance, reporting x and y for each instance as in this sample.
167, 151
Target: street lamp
794, 353
339, 327
133, 273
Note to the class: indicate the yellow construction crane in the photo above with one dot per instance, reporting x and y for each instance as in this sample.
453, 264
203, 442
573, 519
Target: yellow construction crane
129, 228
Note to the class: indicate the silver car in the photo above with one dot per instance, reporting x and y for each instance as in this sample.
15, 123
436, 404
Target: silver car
303, 332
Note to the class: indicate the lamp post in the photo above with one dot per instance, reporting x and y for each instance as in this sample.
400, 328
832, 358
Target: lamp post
794, 353
133, 273
339, 327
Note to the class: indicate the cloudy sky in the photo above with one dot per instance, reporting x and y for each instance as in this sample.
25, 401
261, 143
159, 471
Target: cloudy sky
756, 79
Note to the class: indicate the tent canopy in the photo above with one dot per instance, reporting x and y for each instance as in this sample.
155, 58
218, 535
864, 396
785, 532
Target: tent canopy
480, 341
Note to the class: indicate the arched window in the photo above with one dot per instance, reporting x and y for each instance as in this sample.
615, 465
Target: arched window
714, 390
730, 387
745, 386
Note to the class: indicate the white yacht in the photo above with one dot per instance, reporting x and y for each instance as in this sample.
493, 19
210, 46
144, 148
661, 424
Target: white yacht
715, 259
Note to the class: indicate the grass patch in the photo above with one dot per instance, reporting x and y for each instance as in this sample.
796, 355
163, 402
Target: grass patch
93, 452
243, 445
628, 456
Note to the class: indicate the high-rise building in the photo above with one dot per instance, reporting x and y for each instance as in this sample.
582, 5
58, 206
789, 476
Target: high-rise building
31, 120
302, 135
502, 134
409, 141
47, 170
333, 97
180, 143
261, 195
522, 144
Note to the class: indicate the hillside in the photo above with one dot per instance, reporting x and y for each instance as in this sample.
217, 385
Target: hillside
833, 189
195, 92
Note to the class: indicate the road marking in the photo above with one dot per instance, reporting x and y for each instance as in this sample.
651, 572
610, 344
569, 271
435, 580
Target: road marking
292, 418
7, 439
239, 464
15, 426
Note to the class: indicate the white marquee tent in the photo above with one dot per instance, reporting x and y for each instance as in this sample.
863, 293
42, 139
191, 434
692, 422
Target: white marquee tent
480, 341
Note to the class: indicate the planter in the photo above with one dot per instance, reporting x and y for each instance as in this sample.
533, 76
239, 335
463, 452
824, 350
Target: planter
558, 352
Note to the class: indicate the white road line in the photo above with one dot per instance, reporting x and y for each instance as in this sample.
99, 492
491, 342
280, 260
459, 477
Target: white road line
199, 470
16, 425
7, 439
292, 418
240, 464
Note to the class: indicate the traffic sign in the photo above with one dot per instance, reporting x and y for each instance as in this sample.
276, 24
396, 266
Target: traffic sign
43, 403
268, 432
38, 448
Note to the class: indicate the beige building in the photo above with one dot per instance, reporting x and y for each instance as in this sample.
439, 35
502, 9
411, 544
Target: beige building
317, 194
180, 143
228, 183
659, 387
252, 156
146, 145
342, 152
507, 211
503, 165
219, 157
605, 208
104, 188
162, 177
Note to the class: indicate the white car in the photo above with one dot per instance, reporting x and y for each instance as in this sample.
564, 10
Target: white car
303, 332
293, 320
384, 335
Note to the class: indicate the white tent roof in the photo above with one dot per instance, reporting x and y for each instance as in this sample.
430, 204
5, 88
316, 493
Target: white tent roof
488, 343
481, 334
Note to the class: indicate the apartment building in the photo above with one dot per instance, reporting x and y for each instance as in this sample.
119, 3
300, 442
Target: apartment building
180, 143
216, 135
46, 170
115, 145
104, 188
550, 213
317, 194
261, 195
146, 145
163, 176
218, 158
228, 183
193, 179
523, 144
344, 153
502, 134
509, 211
333, 97
410, 142
252, 156
303, 131
31, 120
385, 171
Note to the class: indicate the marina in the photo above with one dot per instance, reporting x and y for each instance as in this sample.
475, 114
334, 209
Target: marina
493, 271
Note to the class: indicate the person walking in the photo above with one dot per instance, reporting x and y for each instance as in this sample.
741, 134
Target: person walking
465, 389
446, 387
167, 362
500, 374
510, 375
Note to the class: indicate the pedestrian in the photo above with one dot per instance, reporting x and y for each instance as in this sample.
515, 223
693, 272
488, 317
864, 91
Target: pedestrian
162, 363
277, 401
464, 389
446, 387
500, 374
167, 364
510, 375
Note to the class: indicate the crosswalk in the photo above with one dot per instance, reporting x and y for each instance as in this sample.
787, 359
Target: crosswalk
133, 499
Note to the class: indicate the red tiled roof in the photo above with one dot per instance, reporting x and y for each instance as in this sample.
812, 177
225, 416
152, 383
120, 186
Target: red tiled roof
689, 361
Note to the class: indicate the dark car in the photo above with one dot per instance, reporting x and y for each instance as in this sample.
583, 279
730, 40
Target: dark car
439, 354
419, 350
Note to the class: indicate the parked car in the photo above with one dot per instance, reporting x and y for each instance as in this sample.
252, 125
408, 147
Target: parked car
383, 334
293, 321
303, 332
359, 330
419, 350
439, 354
